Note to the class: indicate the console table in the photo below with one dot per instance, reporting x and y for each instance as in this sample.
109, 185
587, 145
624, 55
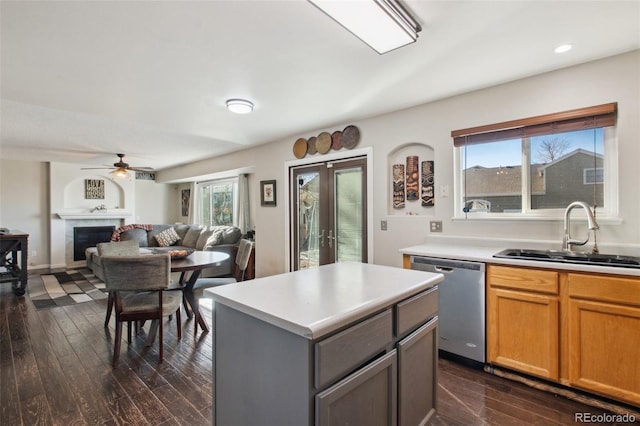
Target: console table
12, 270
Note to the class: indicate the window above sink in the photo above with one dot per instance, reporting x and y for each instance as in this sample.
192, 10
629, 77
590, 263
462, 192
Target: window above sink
534, 167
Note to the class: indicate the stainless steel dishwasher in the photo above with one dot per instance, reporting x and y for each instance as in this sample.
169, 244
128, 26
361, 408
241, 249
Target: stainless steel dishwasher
461, 296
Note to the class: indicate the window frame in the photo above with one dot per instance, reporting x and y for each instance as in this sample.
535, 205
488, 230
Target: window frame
234, 181
605, 117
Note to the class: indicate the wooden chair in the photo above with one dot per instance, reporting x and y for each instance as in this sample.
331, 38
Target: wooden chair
244, 254
138, 284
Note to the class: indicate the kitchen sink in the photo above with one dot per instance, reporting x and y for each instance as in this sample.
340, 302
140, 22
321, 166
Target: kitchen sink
571, 257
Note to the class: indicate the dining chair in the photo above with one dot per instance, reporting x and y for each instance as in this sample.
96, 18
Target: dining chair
138, 284
117, 248
245, 251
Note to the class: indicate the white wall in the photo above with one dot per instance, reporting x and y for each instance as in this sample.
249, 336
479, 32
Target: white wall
24, 195
154, 203
614, 79
24, 199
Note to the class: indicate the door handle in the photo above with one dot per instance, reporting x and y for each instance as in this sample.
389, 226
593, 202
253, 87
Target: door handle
331, 238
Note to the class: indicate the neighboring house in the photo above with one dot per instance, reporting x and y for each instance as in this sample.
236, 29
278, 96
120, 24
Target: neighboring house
577, 175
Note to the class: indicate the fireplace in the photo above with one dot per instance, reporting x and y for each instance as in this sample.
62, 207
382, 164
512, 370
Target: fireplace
88, 236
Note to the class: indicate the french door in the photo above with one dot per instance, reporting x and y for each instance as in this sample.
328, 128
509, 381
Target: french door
329, 214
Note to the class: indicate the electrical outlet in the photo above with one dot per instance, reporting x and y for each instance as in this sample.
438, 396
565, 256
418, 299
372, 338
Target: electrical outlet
383, 225
436, 225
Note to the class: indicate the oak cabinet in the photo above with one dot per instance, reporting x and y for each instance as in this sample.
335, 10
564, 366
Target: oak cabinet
523, 320
604, 335
575, 328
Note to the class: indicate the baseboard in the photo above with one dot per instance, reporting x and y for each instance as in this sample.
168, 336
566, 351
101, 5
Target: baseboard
577, 395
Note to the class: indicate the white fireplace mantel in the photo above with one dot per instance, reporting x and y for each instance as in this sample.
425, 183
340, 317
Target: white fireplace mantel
83, 214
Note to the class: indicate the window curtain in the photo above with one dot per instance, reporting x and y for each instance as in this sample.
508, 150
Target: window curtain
244, 219
194, 205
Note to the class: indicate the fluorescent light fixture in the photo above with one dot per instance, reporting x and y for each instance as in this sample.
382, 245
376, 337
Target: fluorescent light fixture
563, 48
239, 106
382, 24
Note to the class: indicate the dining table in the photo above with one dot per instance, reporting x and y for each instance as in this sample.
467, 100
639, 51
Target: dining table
190, 268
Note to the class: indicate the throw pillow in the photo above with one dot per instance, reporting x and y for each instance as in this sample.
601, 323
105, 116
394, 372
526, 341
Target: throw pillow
191, 237
167, 237
213, 240
206, 232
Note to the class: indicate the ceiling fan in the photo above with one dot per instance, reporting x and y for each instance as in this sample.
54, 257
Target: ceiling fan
120, 168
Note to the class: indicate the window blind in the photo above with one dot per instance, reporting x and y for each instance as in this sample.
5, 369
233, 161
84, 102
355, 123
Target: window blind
577, 119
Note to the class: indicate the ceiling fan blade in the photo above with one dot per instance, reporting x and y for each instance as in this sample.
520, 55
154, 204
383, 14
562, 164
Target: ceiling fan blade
96, 168
140, 169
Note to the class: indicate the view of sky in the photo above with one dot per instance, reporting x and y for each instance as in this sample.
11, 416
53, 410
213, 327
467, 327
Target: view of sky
508, 153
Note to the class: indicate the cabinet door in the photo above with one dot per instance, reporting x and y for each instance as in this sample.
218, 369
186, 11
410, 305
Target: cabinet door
604, 355
417, 375
522, 331
367, 397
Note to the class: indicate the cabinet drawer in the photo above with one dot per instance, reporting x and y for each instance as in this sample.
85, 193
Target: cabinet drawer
339, 354
366, 397
416, 311
605, 288
538, 280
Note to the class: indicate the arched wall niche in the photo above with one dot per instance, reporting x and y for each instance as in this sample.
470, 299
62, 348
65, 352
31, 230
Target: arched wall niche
75, 194
399, 156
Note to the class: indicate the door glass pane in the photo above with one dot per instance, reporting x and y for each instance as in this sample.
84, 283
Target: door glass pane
348, 215
308, 220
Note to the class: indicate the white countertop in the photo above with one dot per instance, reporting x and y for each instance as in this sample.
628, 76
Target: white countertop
479, 253
315, 302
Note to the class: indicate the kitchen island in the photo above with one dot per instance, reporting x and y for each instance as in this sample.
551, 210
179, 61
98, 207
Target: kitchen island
343, 342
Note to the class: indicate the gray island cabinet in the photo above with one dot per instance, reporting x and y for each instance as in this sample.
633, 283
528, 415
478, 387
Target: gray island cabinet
343, 344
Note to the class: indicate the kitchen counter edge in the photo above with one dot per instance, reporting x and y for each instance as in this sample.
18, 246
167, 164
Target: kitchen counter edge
485, 255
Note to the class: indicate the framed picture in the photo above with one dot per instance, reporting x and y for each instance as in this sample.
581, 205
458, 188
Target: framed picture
94, 189
268, 193
186, 198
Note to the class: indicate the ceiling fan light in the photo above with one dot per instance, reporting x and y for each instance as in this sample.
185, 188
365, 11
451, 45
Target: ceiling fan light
120, 173
239, 106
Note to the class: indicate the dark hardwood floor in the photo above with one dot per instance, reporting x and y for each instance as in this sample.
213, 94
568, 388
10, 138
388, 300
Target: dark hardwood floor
55, 369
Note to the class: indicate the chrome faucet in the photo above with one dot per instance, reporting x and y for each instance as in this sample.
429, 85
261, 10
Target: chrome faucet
567, 242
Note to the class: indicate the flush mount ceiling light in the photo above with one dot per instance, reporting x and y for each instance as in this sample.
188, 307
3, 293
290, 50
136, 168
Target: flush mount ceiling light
563, 48
382, 24
239, 106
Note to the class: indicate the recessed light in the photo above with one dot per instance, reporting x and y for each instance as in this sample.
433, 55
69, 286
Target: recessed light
563, 48
239, 106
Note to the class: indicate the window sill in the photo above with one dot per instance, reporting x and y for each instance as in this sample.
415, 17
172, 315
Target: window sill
498, 217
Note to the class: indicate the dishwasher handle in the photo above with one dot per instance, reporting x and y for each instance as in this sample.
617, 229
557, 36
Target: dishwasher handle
424, 263
442, 269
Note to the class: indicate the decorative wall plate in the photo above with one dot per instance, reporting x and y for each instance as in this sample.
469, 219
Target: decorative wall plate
323, 143
336, 140
311, 145
350, 137
300, 148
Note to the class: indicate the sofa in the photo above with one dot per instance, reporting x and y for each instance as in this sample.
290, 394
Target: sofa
158, 238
